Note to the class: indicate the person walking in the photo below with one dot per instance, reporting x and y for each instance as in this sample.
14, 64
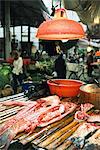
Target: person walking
60, 67
17, 71
89, 63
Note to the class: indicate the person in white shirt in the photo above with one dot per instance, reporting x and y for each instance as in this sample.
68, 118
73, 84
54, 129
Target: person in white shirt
17, 72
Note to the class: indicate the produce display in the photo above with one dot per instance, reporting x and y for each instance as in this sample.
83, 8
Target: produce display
45, 65
5, 72
49, 123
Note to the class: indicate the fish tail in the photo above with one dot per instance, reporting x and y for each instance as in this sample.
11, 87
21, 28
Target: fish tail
5, 139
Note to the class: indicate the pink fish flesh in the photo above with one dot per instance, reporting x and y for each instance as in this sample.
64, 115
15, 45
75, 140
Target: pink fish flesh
94, 118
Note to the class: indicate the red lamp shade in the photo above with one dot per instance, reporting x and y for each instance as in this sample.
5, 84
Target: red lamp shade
60, 28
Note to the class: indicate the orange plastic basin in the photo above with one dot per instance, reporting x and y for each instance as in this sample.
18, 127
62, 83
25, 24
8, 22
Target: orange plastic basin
64, 87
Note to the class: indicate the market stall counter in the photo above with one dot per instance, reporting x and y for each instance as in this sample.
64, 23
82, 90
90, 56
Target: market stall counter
26, 61
48, 123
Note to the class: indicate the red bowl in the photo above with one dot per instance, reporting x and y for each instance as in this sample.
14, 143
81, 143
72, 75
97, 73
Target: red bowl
64, 87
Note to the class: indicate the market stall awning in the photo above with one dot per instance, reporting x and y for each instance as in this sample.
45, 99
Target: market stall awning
89, 14
24, 12
87, 10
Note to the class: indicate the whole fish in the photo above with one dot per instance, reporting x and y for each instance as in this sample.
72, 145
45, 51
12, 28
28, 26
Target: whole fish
82, 133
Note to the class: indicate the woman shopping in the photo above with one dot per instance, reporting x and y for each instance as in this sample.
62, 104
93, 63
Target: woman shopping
17, 72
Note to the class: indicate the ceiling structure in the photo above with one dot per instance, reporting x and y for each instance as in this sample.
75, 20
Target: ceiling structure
30, 12
88, 12
24, 12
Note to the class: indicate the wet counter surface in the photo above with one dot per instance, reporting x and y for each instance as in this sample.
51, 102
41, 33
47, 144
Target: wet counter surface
53, 136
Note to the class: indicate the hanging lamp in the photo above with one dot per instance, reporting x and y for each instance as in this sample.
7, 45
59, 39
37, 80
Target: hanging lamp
60, 28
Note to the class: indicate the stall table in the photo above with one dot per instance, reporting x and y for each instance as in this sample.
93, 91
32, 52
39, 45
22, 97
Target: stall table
53, 136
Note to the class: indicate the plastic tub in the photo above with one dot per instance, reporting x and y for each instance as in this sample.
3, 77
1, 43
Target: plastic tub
65, 87
27, 85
